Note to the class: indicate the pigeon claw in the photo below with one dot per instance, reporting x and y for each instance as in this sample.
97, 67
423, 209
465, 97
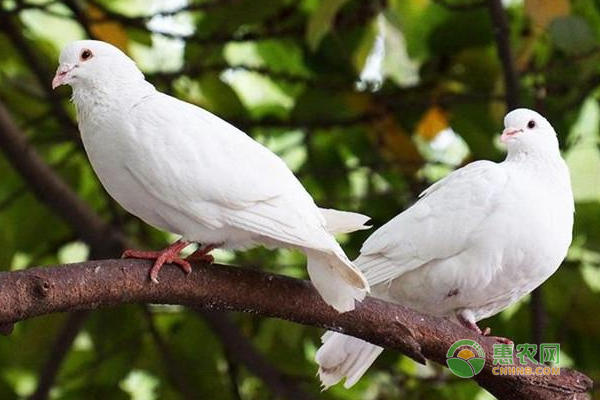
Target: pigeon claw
170, 255
502, 340
201, 255
469, 324
201, 258
160, 261
487, 332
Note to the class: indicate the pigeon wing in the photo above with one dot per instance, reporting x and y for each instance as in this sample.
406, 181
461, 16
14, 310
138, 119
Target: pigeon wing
439, 225
212, 172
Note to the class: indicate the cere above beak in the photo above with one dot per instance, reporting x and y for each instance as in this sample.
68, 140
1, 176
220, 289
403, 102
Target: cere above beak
62, 74
509, 133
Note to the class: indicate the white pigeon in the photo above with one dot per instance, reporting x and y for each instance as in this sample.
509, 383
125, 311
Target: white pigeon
184, 170
474, 243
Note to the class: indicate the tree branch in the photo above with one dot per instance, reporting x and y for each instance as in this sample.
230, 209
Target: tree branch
37, 291
538, 316
172, 370
60, 347
502, 36
241, 350
104, 240
41, 72
463, 6
52, 190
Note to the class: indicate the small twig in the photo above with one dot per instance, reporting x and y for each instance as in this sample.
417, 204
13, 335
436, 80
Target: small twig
10, 199
233, 370
43, 75
173, 372
80, 16
239, 348
21, 190
59, 350
464, 6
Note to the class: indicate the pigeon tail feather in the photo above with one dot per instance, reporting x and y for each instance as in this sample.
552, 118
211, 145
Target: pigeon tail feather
338, 282
342, 356
344, 221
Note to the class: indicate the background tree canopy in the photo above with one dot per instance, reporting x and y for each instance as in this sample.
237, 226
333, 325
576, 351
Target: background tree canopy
367, 101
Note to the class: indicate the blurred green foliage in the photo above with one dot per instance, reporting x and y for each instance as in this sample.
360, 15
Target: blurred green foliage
367, 101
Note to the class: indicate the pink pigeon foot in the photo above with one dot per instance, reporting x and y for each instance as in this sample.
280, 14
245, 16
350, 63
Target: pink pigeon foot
170, 255
486, 332
201, 255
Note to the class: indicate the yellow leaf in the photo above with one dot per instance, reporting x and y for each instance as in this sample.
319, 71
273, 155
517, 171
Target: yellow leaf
108, 31
432, 122
542, 12
394, 143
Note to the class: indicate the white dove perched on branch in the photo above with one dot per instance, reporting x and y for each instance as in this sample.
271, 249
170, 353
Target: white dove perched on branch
474, 243
186, 171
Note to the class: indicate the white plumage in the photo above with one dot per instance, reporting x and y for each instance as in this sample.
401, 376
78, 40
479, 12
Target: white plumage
474, 243
184, 170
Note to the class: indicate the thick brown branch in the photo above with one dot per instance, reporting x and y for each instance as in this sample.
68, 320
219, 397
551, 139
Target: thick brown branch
38, 291
50, 188
103, 239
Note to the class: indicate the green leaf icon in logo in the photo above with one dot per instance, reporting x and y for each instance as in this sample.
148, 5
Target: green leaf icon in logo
467, 362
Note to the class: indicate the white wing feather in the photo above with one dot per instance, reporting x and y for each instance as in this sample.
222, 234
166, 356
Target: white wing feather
437, 226
212, 175
215, 166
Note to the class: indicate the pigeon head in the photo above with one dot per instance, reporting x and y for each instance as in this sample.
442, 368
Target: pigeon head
527, 132
92, 64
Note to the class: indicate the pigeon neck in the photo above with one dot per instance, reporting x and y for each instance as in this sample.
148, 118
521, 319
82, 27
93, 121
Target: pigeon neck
543, 154
96, 98
540, 162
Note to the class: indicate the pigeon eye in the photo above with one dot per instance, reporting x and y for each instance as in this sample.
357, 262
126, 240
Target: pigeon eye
531, 124
86, 55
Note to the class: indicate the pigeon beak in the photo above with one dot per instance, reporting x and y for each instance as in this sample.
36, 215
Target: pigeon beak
509, 133
62, 75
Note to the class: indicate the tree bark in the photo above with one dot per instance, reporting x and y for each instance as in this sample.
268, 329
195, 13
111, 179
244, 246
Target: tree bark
38, 291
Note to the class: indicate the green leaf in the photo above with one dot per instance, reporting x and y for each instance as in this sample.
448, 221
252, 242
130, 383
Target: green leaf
142, 37
417, 19
475, 124
220, 97
572, 35
397, 65
583, 158
591, 276
320, 21
587, 223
